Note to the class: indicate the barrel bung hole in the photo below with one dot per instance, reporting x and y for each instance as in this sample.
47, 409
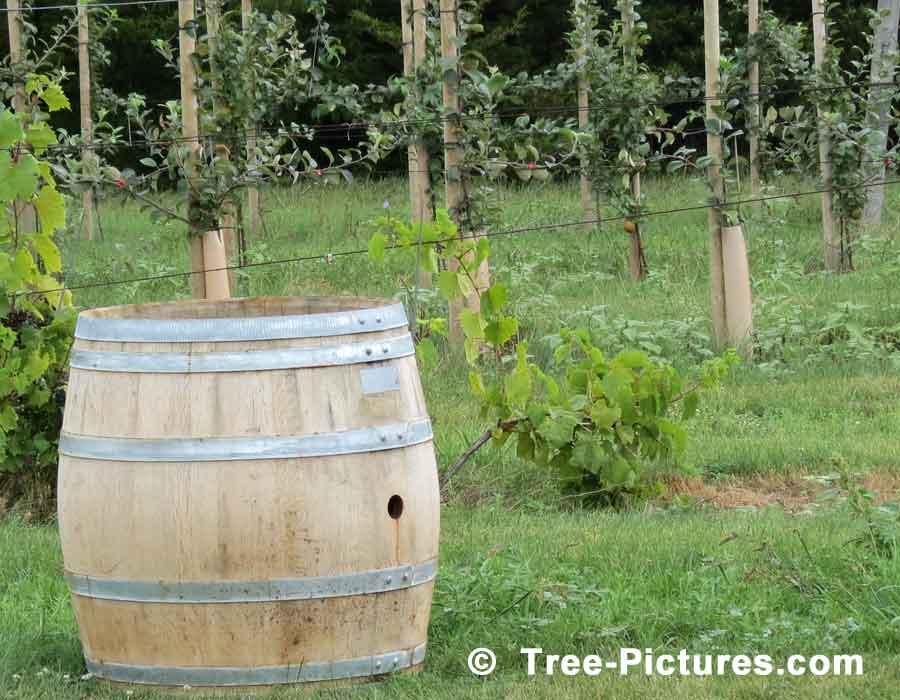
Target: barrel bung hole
395, 507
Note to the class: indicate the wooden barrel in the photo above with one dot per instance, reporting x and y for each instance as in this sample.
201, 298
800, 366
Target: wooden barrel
248, 492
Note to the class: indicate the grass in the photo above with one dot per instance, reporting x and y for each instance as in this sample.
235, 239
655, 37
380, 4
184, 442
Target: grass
519, 565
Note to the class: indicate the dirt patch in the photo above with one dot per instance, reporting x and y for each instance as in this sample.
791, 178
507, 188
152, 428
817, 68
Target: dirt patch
791, 492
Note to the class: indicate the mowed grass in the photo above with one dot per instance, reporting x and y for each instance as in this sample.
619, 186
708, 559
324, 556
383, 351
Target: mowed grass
568, 582
522, 566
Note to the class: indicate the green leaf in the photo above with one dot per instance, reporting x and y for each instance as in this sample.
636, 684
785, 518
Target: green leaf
519, 385
689, 407
476, 383
18, 179
426, 353
472, 346
8, 419
149, 162
10, 129
48, 251
24, 267
482, 251
525, 446
51, 210
40, 136
448, 284
633, 359
494, 299
472, 324
676, 434
54, 97
496, 83
559, 429
501, 331
377, 245
36, 364
603, 415
536, 414
618, 473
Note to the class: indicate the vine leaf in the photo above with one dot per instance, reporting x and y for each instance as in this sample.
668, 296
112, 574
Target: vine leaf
40, 136
51, 210
48, 251
10, 129
448, 284
19, 178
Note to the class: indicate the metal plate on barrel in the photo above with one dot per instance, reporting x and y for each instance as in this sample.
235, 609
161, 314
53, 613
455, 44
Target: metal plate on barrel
380, 380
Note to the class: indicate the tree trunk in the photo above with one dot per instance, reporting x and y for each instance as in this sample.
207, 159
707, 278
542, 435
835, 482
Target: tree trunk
830, 236
884, 68
637, 263
414, 37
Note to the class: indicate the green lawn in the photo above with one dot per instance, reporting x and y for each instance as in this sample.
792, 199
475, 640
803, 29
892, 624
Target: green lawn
522, 566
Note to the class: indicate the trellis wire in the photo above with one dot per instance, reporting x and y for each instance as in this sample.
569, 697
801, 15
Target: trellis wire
351, 127
90, 6
331, 256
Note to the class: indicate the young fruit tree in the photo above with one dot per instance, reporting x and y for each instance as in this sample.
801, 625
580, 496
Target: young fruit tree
244, 70
459, 106
625, 115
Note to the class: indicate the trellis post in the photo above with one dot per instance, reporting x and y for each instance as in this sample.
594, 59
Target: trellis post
227, 220
25, 215
453, 175
414, 20
732, 307
208, 260
831, 238
87, 119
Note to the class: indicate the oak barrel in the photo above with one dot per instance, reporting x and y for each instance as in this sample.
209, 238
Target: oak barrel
248, 492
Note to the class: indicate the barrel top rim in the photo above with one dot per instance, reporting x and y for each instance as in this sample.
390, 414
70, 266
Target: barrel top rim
257, 318
205, 309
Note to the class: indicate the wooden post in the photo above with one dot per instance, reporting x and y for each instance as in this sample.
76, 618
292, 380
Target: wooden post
25, 215
715, 152
755, 112
254, 223
414, 47
227, 220
637, 263
884, 70
831, 237
209, 280
588, 203
732, 308
87, 119
453, 135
